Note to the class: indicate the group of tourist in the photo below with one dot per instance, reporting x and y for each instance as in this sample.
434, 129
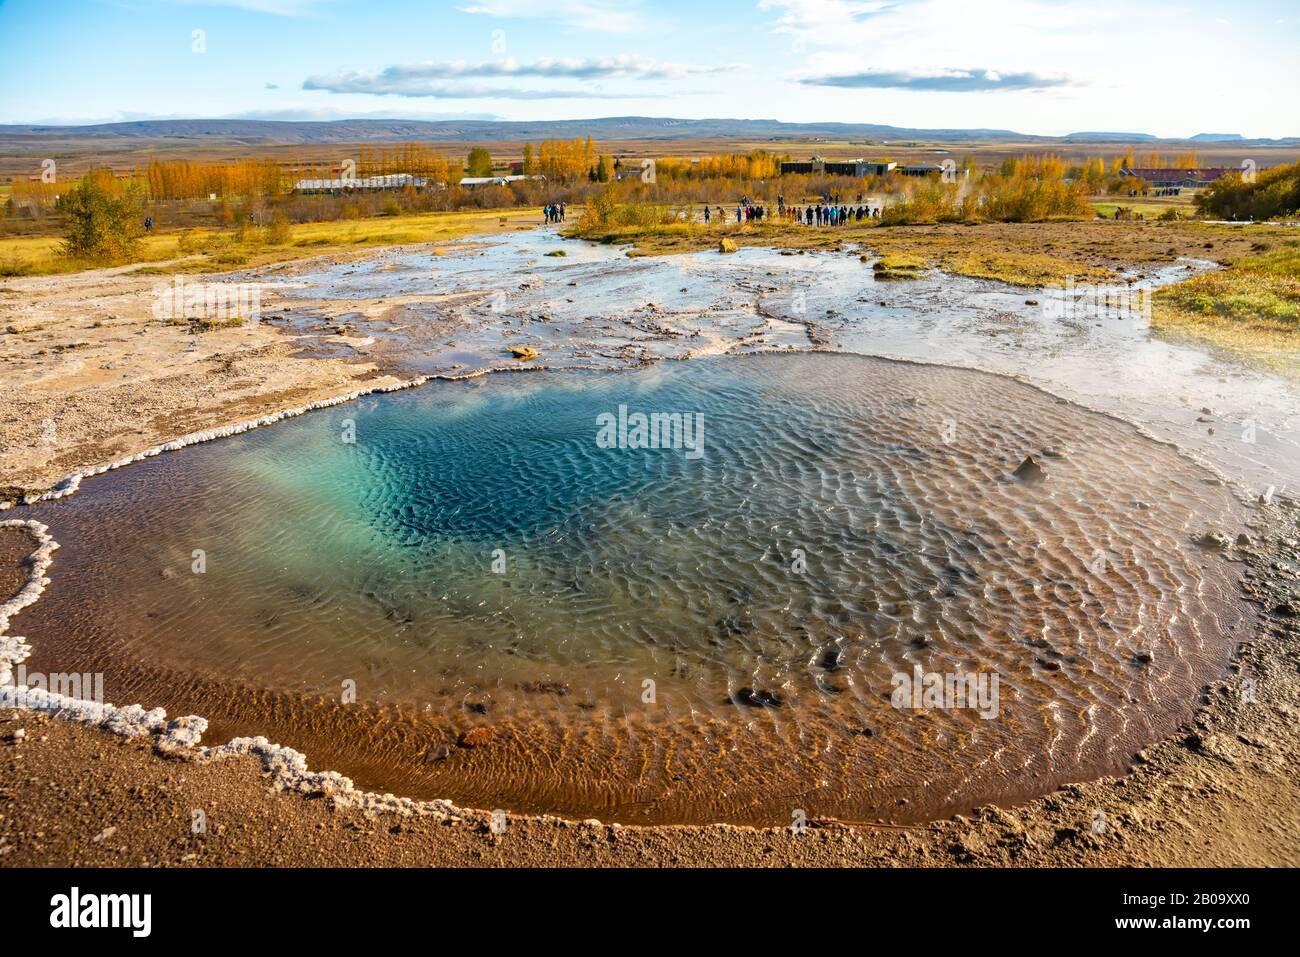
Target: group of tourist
554, 212
838, 215
826, 213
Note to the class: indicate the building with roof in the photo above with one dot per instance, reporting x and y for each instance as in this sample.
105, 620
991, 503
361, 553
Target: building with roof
1188, 178
474, 182
819, 166
933, 169
359, 183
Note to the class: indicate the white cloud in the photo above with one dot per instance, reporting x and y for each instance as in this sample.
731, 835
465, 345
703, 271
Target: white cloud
431, 78
946, 80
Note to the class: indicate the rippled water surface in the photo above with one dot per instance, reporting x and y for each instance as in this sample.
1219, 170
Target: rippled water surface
653, 635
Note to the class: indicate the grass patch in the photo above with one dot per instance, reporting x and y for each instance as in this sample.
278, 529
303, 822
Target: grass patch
1259, 292
204, 324
15, 267
1251, 306
207, 250
1022, 268
894, 266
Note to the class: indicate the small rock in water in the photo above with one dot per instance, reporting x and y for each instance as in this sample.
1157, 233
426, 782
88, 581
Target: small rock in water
727, 246
1215, 540
1030, 470
831, 658
1244, 540
757, 699
523, 352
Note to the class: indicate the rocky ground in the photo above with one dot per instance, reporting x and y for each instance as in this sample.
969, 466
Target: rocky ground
90, 374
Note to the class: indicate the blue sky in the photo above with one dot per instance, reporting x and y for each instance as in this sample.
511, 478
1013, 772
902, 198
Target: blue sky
1035, 66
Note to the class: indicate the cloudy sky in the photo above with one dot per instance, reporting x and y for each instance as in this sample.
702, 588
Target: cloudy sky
1035, 66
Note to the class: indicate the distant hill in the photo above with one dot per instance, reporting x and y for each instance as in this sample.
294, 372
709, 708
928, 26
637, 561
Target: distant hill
353, 131
21, 138
1217, 138
1109, 137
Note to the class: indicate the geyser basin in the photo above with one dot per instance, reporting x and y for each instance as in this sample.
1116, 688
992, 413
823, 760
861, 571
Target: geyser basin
653, 635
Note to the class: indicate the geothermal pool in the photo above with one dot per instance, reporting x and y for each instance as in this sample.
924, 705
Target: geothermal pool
703, 633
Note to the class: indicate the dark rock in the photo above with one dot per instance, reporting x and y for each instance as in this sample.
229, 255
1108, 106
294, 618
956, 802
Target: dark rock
831, 659
752, 698
1030, 471
434, 755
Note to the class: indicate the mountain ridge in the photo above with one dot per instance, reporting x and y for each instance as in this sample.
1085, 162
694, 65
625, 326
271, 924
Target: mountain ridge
289, 132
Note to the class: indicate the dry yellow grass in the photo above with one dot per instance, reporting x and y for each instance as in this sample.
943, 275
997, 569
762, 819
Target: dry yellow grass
216, 250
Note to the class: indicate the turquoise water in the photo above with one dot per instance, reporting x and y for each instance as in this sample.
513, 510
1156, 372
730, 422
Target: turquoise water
692, 633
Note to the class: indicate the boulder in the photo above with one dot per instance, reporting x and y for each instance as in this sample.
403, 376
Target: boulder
1029, 470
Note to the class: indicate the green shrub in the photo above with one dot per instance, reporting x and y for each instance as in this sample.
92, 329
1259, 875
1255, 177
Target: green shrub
1274, 193
104, 222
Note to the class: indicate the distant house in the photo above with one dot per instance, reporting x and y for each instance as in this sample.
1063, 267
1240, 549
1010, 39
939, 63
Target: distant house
931, 169
819, 166
1190, 178
359, 183
474, 182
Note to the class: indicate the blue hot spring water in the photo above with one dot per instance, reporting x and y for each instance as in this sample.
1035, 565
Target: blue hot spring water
700, 633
